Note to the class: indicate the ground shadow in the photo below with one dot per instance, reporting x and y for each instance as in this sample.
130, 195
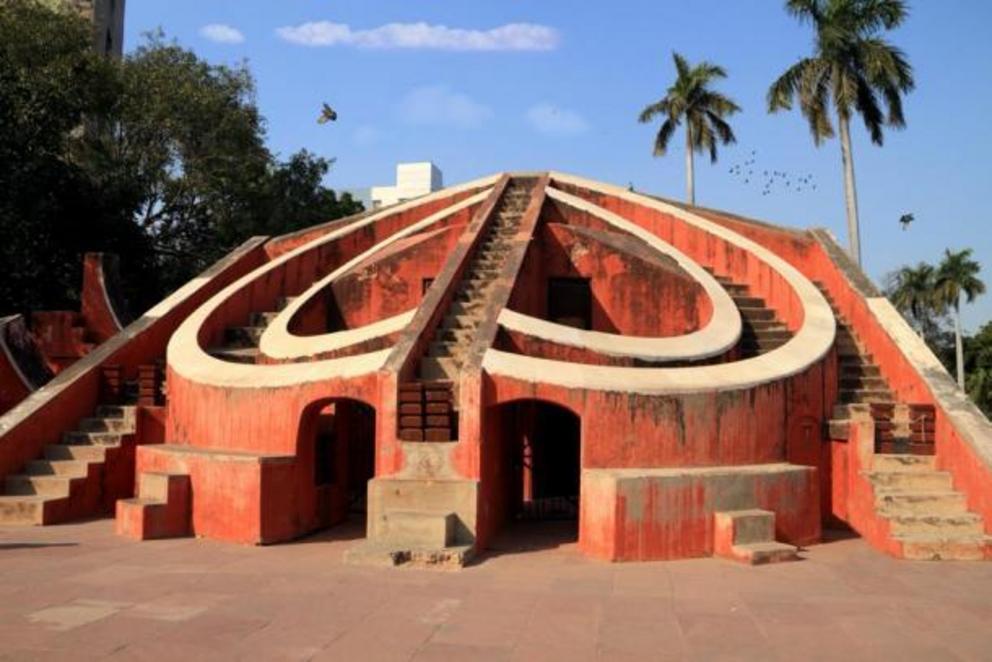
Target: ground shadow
33, 545
523, 537
837, 534
351, 529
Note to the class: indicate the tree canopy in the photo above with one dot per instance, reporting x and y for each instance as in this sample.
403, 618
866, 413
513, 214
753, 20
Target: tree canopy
160, 158
852, 67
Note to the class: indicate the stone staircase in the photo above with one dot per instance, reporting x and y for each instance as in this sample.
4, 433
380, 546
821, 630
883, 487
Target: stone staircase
241, 342
761, 331
454, 335
428, 406
161, 509
748, 536
927, 517
899, 427
67, 482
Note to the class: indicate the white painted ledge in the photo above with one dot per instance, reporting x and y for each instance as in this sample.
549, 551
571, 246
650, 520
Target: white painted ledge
188, 359
717, 336
966, 418
811, 342
279, 343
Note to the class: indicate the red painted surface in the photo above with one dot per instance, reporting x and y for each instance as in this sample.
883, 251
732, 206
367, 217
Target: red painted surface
252, 455
75, 393
654, 519
12, 387
97, 310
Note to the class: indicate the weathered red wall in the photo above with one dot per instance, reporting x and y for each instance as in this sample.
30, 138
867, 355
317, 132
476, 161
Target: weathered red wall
657, 519
387, 284
75, 393
632, 294
12, 388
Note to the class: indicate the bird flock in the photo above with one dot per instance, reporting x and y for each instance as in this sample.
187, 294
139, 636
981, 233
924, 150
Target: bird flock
751, 173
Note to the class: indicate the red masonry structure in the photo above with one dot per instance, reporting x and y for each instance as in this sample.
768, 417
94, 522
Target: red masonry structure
680, 382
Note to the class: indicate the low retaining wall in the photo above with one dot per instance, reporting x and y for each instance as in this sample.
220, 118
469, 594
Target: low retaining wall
658, 514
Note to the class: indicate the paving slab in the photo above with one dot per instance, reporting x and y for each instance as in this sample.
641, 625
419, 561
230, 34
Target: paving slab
79, 592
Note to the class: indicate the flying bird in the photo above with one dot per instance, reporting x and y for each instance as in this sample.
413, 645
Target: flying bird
905, 220
327, 114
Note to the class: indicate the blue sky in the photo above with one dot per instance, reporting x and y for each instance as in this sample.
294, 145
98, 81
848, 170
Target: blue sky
564, 94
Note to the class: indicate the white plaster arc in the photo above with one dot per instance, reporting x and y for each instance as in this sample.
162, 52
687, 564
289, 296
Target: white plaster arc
188, 359
811, 342
717, 336
278, 342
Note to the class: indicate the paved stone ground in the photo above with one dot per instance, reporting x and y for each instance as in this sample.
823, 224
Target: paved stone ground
79, 592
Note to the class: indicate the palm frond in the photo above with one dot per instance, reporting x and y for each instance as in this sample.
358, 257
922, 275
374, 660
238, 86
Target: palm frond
870, 16
681, 65
664, 136
786, 88
867, 105
721, 128
650, 112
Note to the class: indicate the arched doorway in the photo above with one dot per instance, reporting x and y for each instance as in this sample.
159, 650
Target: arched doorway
337, 459
539, 472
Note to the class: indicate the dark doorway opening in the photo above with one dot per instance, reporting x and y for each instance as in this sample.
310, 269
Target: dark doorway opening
541, 475
570, 302
343, 460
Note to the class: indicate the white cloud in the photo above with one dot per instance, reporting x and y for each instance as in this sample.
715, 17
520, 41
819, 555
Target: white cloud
554, 121
222, 34
438, 105
509, 37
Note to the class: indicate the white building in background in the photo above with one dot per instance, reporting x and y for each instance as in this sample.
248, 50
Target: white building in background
412, 181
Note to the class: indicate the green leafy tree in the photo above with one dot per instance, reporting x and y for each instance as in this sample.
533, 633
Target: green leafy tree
692, 100
171, 171
50, 210
911, 290
853, 70
957, 277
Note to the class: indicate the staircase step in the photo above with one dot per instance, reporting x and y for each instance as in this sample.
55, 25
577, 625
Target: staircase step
78, 453
902, 462
760, 553
56, 486
764, 325
866, 395
757, 313
749, 302
78, 437
838, 428
863, 383
444, 349
438, 368
106, 425
890, 503
461, 336
920, 547
243, 336
855, 370
67, 468
117, 411
930, 481
25, 510
262, 319
457, 322
964, 524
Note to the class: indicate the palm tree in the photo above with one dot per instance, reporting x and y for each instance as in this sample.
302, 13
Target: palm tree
911, 290
957, 275
703, 110
855, 69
